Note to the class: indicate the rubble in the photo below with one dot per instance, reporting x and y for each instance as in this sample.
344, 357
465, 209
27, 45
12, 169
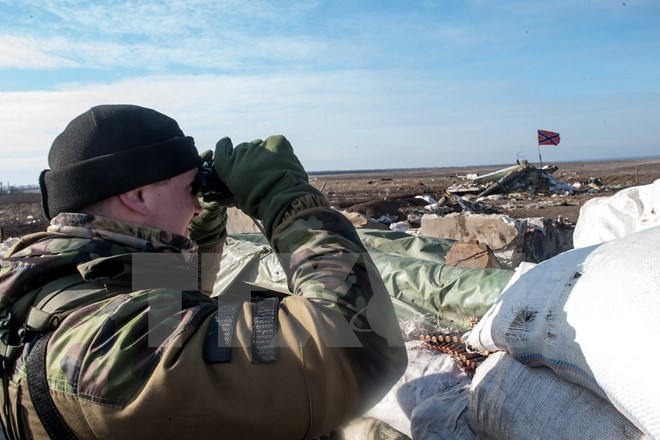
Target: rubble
512, 241
472, 212
524, 176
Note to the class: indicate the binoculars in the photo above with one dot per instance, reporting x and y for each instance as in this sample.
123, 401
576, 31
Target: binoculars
210, 187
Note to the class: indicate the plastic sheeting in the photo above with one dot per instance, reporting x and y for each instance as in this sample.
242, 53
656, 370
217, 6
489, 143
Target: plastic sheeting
426, 293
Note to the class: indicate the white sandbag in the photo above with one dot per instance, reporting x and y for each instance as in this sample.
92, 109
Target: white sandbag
511, 401
430, 400
588, 314
608, 218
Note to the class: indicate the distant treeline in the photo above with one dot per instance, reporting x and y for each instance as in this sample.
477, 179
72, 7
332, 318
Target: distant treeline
8, 188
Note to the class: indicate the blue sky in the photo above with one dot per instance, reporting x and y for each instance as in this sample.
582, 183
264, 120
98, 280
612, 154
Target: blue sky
353, 84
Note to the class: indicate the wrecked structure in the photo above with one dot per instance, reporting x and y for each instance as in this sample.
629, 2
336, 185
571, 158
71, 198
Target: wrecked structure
467, 213
522, 177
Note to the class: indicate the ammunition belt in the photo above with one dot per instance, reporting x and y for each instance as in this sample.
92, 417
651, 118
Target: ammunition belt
453, 344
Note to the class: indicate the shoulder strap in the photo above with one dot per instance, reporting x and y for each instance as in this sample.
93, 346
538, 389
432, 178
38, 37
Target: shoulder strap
40, 392
53, 306
52, 303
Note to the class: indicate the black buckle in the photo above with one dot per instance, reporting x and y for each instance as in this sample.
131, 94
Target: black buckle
4, 332
4, 321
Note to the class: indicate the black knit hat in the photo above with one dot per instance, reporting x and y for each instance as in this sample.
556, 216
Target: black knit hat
111, 149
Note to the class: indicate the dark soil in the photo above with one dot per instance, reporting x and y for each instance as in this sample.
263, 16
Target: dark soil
20, 214
375, 193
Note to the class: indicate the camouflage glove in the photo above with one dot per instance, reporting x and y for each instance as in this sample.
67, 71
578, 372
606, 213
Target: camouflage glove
210, 227
265, 177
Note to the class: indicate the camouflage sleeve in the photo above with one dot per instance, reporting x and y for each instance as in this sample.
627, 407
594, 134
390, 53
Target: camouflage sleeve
327, 264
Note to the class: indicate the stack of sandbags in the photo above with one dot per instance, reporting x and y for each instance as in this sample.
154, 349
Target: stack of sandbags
592, 316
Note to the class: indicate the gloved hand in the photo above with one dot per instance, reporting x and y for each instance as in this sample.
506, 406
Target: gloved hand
210, 227
265, 177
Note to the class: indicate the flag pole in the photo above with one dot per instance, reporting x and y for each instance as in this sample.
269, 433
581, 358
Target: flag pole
540, 159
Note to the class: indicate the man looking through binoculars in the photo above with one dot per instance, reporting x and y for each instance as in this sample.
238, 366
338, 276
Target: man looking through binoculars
106, 333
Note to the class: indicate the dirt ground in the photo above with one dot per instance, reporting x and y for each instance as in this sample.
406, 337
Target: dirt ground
393, 192
384, 192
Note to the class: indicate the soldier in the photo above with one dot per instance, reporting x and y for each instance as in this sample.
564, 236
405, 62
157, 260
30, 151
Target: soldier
104, 332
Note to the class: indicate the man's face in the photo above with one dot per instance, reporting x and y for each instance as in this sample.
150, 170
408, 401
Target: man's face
173, 204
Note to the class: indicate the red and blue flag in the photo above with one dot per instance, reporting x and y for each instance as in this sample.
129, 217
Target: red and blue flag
548, 137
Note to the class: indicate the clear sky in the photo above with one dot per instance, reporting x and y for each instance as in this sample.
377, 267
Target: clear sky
353, 84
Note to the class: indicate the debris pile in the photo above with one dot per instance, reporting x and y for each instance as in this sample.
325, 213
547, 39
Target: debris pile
523, 177
509, 184
472, 214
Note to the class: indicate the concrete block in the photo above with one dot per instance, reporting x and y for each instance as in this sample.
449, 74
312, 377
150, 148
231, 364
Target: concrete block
472, 255
512, 241
497, 231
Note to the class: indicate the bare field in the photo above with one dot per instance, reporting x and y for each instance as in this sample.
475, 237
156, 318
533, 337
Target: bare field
375, 193
20, 214
391, 192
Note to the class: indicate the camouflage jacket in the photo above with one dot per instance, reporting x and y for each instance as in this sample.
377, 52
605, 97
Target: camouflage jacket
135, 362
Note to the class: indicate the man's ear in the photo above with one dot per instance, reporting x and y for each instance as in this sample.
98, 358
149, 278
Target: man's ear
135, 201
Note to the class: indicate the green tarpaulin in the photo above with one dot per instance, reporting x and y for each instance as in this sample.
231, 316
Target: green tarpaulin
425, 291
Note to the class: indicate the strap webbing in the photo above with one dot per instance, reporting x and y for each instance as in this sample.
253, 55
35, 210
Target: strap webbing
40, 392
217, 346
264, 328
10, 432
